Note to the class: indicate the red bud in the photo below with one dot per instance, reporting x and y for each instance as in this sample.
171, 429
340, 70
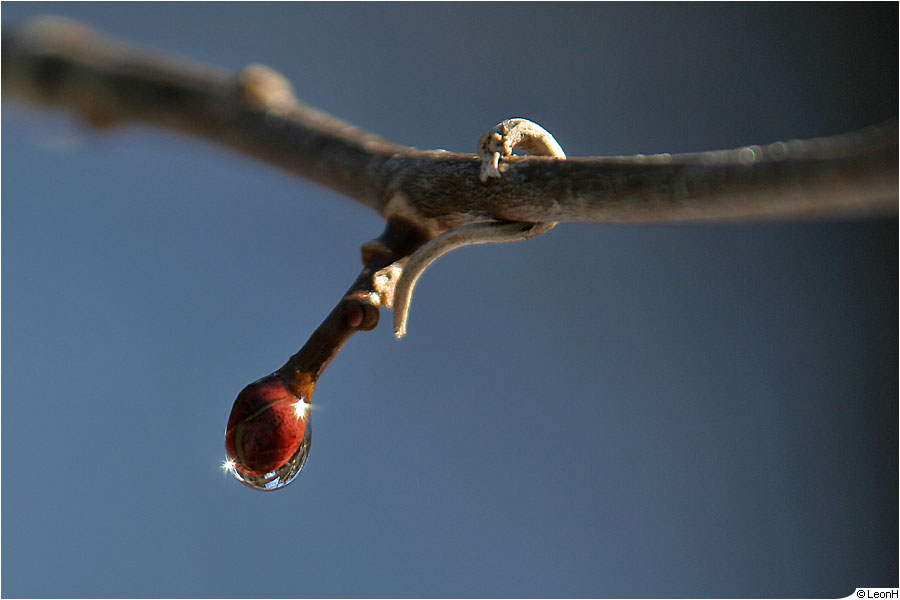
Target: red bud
266, 426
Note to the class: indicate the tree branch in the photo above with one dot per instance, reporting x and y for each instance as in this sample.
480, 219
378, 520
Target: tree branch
60, 62
432, 201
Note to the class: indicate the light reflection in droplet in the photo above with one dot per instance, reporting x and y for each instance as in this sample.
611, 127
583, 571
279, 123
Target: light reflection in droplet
301, 409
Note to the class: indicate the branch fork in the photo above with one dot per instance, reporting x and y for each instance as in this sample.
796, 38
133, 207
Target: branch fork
499, 142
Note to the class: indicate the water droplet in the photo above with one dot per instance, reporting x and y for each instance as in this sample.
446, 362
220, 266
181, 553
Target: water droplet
268, 434
283, 475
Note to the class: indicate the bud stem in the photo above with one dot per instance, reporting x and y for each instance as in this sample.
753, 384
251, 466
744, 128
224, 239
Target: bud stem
302, 370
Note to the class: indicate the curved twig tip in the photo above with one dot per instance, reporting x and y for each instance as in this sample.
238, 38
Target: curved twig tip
492, 232
509, 135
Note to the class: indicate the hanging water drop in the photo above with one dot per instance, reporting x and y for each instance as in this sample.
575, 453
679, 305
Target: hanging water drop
268, 434
279, 477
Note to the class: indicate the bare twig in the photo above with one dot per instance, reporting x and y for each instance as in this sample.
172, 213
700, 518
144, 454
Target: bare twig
383, 260
432, 201
64, 63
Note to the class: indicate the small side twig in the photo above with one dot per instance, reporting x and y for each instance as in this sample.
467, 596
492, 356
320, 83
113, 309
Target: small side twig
358, 310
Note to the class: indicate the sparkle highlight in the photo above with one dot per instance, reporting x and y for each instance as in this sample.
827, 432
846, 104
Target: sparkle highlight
301, 409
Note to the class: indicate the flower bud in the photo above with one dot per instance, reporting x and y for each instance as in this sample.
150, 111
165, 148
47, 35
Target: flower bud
266, 427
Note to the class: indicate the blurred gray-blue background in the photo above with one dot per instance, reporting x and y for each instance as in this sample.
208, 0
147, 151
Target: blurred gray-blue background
603, 411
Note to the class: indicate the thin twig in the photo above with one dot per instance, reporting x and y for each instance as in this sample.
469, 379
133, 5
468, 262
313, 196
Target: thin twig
64, 63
